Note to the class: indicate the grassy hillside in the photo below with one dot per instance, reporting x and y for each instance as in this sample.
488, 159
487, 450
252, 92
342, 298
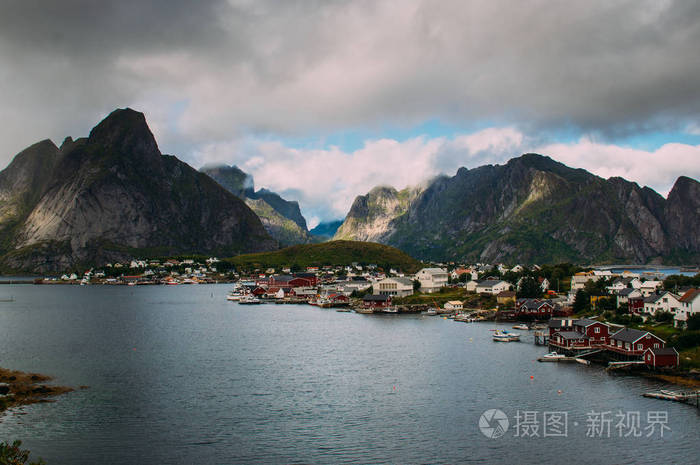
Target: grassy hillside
330, 253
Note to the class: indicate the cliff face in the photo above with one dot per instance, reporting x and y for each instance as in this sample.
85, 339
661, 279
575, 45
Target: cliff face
113, 195
282, 218
534, 209
371, 216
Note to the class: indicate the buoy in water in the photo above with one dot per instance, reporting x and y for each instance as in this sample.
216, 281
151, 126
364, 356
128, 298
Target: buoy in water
532, 377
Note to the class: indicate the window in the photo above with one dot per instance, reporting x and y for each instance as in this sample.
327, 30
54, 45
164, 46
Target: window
597, 330
656, 345
639, 346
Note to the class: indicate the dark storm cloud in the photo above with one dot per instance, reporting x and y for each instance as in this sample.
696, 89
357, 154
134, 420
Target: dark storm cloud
209, 71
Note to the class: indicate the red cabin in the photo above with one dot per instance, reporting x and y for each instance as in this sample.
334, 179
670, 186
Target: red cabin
598, 333
635, 305
661, 358
376, 301
633, 342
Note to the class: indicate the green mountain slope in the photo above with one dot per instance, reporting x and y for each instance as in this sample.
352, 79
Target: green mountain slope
330, 253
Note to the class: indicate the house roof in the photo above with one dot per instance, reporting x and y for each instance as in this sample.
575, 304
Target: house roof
630, 335
627, 291
690, 295
404, 281
454, 302
664, 351
572, 335
585, 322
489, 282
506, 294
432, 270
561, 323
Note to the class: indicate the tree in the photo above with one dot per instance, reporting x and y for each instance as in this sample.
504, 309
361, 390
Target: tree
529, 288
463, 277
13, 455
416, 285
582, 301
693, 322
662, 316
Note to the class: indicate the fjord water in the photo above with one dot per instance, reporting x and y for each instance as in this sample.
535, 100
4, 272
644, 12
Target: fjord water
179, 375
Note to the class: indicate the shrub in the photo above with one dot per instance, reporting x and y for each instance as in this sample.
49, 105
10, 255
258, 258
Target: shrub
11, 454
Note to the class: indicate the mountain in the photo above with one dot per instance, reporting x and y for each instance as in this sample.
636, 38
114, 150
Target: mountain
371, 216
326, 230
330, 253
282, 218
534, 209
112, 196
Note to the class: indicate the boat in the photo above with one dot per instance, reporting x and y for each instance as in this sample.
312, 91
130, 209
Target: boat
390, 310
342, 309
431, 312
505, 336
249, 300
364, 310
235, 296
552, 357
521, 326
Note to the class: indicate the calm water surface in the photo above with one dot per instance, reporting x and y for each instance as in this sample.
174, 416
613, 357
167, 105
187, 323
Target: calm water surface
179, 375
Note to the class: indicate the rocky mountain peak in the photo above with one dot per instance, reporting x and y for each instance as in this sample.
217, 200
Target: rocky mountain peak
125, 131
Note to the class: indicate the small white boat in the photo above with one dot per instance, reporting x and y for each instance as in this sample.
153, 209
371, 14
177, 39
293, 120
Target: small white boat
235, 296
431, 312
390, 310
505, 336
554, 356
521, 326
249, 300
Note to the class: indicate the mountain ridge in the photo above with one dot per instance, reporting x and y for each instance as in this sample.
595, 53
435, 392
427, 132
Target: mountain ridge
113, 194
536, 209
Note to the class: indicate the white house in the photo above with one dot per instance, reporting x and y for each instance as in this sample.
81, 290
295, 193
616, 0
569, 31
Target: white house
398, 287
624, 283
432, 279
471, 286
624, 295
690, 304
579, 280
492, 286
649, 287
663, 302
454, 305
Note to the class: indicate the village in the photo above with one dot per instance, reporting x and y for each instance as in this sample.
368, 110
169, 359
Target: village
623, 318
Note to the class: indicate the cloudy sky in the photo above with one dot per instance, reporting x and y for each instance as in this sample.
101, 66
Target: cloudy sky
322, 100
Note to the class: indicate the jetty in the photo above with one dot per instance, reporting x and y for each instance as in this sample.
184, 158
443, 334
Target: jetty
688, 397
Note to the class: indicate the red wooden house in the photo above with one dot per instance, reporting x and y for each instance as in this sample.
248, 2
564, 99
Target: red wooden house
635, 305
666, 357
534, 308
376, 301
633, 342
570, 340
598, 333
560, 324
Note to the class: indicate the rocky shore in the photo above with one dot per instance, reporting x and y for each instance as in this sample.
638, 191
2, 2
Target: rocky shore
20, 388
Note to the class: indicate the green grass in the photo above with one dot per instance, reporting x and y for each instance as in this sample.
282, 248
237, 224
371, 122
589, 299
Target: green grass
330, 253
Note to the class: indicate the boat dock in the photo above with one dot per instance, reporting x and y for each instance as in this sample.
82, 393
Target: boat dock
690, 397
582, 361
